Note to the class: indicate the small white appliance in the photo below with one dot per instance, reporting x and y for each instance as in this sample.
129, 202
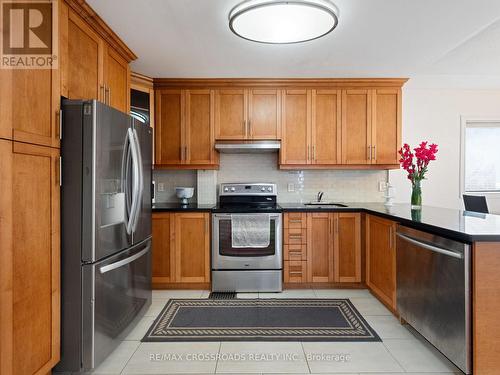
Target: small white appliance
184, 193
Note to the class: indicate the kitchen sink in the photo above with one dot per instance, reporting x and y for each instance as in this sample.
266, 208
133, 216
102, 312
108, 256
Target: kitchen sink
325, 204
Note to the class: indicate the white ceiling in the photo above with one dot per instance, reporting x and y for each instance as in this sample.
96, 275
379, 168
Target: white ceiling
375, 38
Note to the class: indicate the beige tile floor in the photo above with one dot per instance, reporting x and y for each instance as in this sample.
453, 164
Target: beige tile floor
400, 351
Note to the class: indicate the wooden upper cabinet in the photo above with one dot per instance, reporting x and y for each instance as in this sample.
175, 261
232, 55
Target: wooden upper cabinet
326, 127
386, 126
163, 260
169, 133
381, 258
356, 126
320, 247
30, 268
347, 247
91, 68
199, 123
84, 76
296, 118
231, 114
264, 114
29, 103
192, 247
116, 80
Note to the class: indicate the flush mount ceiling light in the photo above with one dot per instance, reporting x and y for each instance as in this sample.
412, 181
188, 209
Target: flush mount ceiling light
283, 22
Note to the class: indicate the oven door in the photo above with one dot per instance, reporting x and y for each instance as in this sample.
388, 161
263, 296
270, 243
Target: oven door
227, 257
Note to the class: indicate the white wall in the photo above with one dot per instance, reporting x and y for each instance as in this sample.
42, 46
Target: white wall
434, 115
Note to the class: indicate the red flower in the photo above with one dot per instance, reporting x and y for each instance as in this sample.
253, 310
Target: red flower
423, 154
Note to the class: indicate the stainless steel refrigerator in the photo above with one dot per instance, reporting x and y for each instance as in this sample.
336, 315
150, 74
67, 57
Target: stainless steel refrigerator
106, 230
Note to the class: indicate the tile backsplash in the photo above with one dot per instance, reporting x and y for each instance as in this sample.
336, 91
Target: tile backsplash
170, 180
338, 185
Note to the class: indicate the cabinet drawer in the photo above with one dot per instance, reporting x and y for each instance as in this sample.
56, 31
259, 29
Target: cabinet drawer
296, 220
295, 252
295, 236
295, 271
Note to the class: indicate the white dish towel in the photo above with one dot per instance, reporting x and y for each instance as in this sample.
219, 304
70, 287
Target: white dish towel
250, 230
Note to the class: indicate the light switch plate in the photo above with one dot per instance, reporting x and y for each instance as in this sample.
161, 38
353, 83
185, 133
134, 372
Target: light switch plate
291, 187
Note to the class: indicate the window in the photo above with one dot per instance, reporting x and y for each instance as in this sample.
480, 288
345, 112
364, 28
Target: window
481, 156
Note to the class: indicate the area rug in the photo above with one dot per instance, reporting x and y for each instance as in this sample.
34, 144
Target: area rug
260, 320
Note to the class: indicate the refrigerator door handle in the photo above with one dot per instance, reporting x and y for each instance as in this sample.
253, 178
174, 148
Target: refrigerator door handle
141, 181
135, 181
123, 262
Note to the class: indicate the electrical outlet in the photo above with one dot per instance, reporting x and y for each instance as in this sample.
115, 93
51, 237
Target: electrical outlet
382, 186
291, 187
161, 186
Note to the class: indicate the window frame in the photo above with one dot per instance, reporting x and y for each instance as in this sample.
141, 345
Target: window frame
466, 121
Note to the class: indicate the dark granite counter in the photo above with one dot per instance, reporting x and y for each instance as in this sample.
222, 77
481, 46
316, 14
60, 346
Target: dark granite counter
192, 207
456, 224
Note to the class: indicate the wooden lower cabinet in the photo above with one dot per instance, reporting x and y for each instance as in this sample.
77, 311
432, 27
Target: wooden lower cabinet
347, 247
30, 268
322, 247
181, 248
381, 258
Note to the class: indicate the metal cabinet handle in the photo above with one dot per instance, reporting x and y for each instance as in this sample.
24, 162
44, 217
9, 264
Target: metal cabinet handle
313, 152
102, 93
308, 152
374, 152
295, 220
295, 272
369, 153
295, 235
185, 153
249, 127
430, 247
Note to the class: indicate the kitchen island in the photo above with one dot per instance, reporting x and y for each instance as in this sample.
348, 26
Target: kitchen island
480, 231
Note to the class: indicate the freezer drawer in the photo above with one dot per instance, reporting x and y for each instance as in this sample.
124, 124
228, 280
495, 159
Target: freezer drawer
116, 294
433, 291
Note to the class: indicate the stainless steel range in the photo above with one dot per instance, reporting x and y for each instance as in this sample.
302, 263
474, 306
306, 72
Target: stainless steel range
246, 239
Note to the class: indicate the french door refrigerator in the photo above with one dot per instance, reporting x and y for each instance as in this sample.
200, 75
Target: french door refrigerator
106, 230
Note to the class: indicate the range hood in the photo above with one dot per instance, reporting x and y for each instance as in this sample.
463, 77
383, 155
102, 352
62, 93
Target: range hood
247, 147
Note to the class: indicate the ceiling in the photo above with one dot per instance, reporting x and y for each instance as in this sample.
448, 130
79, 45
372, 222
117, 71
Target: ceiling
375, 38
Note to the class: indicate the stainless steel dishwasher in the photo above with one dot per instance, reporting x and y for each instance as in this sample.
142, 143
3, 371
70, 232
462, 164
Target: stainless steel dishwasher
434, 291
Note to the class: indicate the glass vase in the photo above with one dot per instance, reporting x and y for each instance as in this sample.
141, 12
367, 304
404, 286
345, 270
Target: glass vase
416, 195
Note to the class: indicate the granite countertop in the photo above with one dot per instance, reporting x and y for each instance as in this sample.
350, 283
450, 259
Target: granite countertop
456, 224
452, 223
191, 207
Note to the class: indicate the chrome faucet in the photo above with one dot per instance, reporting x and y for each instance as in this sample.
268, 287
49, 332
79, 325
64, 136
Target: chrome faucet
319, 196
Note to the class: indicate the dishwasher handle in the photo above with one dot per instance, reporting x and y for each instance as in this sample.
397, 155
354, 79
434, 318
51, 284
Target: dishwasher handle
426, 246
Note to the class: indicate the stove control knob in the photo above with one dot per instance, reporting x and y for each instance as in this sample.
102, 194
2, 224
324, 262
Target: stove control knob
263, 189
233, 189
226, 189
269, 188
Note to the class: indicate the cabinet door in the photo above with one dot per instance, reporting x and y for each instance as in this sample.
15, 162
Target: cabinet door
231, 114
163, 260
30, 268
200, 127
192, 247
85, 71
169, 132
381, 258
347, 247
320, 247
30, 106
117, 80
326, 127
386, 126
296, 117
356, 126
264, 114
